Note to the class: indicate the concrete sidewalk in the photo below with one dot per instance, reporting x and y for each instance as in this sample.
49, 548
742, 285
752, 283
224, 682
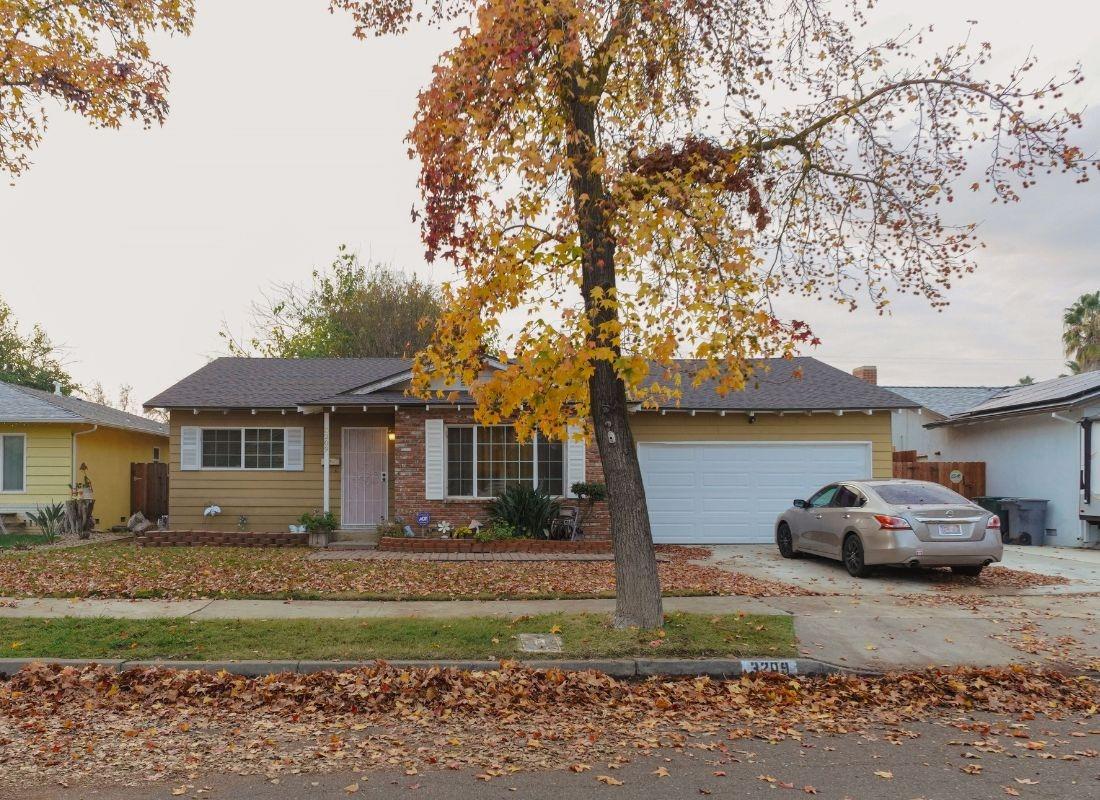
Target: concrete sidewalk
354, 609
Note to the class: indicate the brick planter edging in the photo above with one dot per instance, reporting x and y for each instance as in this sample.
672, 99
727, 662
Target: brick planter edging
222, 539
424, 545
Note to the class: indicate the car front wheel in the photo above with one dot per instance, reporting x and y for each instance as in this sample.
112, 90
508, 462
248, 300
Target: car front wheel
785, 541
853, 557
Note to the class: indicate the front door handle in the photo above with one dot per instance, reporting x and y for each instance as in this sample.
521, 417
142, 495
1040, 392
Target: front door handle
383, 477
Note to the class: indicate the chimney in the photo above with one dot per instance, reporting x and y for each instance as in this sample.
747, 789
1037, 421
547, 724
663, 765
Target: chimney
869, 374
57, 387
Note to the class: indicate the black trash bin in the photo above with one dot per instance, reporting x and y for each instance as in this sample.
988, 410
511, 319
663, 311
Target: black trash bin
1027, 519
993, 504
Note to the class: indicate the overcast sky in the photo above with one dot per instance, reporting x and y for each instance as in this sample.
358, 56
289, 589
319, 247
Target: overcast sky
285, 139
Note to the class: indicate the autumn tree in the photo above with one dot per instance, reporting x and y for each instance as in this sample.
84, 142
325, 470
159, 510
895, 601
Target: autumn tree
91, 57
643, 176
30, 358
349, 310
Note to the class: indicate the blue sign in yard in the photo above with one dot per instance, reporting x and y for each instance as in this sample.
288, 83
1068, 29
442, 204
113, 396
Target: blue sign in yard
423, 518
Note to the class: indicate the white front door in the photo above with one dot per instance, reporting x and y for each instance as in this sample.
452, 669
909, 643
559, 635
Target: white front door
364, 499
731, 492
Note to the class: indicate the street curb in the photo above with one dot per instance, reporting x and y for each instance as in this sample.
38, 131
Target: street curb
617, 668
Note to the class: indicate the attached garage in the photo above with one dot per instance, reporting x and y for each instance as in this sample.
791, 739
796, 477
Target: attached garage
718, 469
731, 493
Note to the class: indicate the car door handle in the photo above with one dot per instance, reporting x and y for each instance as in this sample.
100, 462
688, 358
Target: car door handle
847, 516
818, 516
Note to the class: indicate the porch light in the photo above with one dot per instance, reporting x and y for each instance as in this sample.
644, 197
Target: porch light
392, 436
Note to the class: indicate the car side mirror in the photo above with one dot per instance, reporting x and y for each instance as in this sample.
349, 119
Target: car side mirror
800, 504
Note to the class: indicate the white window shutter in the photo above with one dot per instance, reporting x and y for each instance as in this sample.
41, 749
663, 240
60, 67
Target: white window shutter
294, 456
190, 447
574, 460
434, 459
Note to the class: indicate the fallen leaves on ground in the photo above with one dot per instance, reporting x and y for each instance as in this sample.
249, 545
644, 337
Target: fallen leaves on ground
202, 572
69, 723
996, 578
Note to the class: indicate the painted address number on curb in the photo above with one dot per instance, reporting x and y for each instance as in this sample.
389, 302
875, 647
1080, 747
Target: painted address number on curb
783, 666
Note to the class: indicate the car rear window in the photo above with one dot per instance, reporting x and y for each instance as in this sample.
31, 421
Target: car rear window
913, 494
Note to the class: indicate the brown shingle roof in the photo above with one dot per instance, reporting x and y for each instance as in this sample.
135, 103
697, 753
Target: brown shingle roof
273, 382
285, 383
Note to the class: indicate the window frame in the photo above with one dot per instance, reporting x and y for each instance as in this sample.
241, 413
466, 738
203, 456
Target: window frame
22, 436
242, 428
474, 462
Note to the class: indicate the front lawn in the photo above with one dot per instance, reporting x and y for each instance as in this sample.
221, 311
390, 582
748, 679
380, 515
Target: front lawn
11, 540
583, 636
119, 570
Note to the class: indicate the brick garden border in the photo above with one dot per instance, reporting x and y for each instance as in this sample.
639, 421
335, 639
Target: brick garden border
222, 539
425, 545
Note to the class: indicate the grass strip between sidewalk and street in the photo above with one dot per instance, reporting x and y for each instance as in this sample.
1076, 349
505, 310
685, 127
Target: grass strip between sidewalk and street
583, 636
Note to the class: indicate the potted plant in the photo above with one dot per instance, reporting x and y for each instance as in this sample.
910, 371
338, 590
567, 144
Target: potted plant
319, 526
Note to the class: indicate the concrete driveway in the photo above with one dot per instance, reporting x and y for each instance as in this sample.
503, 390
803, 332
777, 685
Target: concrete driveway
915, 618
1080, 567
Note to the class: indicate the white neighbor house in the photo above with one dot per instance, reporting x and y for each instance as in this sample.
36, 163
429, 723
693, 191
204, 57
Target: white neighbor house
1036, 441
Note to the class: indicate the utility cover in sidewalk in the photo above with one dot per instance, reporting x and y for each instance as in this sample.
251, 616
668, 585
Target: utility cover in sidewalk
539, 642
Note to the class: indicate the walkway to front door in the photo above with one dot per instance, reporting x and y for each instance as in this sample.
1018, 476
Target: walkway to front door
363, 490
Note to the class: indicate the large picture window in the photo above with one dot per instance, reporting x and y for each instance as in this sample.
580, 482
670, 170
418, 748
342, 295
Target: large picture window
243, 448
483, 460
13, 463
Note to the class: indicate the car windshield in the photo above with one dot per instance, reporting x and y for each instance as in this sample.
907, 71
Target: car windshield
918, 494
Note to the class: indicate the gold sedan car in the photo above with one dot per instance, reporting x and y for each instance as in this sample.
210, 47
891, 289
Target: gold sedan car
891, 522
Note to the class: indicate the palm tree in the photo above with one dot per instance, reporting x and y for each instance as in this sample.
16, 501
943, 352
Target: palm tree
1081, 334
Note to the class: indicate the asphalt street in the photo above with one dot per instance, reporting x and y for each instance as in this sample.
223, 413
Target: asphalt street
928, 761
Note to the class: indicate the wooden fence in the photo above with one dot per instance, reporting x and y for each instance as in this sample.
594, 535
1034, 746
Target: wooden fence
965, 477
149, 490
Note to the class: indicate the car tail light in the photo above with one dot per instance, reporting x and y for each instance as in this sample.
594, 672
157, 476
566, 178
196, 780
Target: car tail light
994, 523
888, 523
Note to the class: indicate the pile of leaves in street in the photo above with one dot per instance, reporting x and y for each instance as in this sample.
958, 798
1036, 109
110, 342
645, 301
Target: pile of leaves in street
68, 723
200, 572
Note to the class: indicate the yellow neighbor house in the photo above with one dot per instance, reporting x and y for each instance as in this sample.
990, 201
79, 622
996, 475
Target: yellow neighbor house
46, 438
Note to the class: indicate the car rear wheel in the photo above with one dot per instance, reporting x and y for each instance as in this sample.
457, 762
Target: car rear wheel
969, 571
853, 557
785, 541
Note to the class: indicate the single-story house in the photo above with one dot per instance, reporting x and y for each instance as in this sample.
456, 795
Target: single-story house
1036, 442
936, 403
264, 440
45, 438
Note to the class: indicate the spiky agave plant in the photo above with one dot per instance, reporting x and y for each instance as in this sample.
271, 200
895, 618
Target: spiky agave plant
528, 510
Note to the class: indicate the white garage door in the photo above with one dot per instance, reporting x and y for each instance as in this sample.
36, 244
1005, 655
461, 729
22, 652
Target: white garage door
731, 493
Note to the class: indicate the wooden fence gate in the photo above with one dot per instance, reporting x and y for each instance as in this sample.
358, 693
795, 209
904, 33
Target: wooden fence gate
965, 477
149, 490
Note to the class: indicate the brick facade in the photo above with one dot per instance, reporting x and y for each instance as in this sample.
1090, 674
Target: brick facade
408, 475
209, 538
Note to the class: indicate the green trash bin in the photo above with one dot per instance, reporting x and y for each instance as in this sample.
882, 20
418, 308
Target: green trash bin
993, 505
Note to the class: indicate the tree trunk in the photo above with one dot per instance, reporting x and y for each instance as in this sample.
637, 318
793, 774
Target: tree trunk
637, 582
79, 519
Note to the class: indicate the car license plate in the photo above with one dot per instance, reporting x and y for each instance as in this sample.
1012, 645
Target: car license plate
951, 530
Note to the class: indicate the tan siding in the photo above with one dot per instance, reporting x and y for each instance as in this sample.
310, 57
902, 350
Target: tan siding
680, 426
270, 499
